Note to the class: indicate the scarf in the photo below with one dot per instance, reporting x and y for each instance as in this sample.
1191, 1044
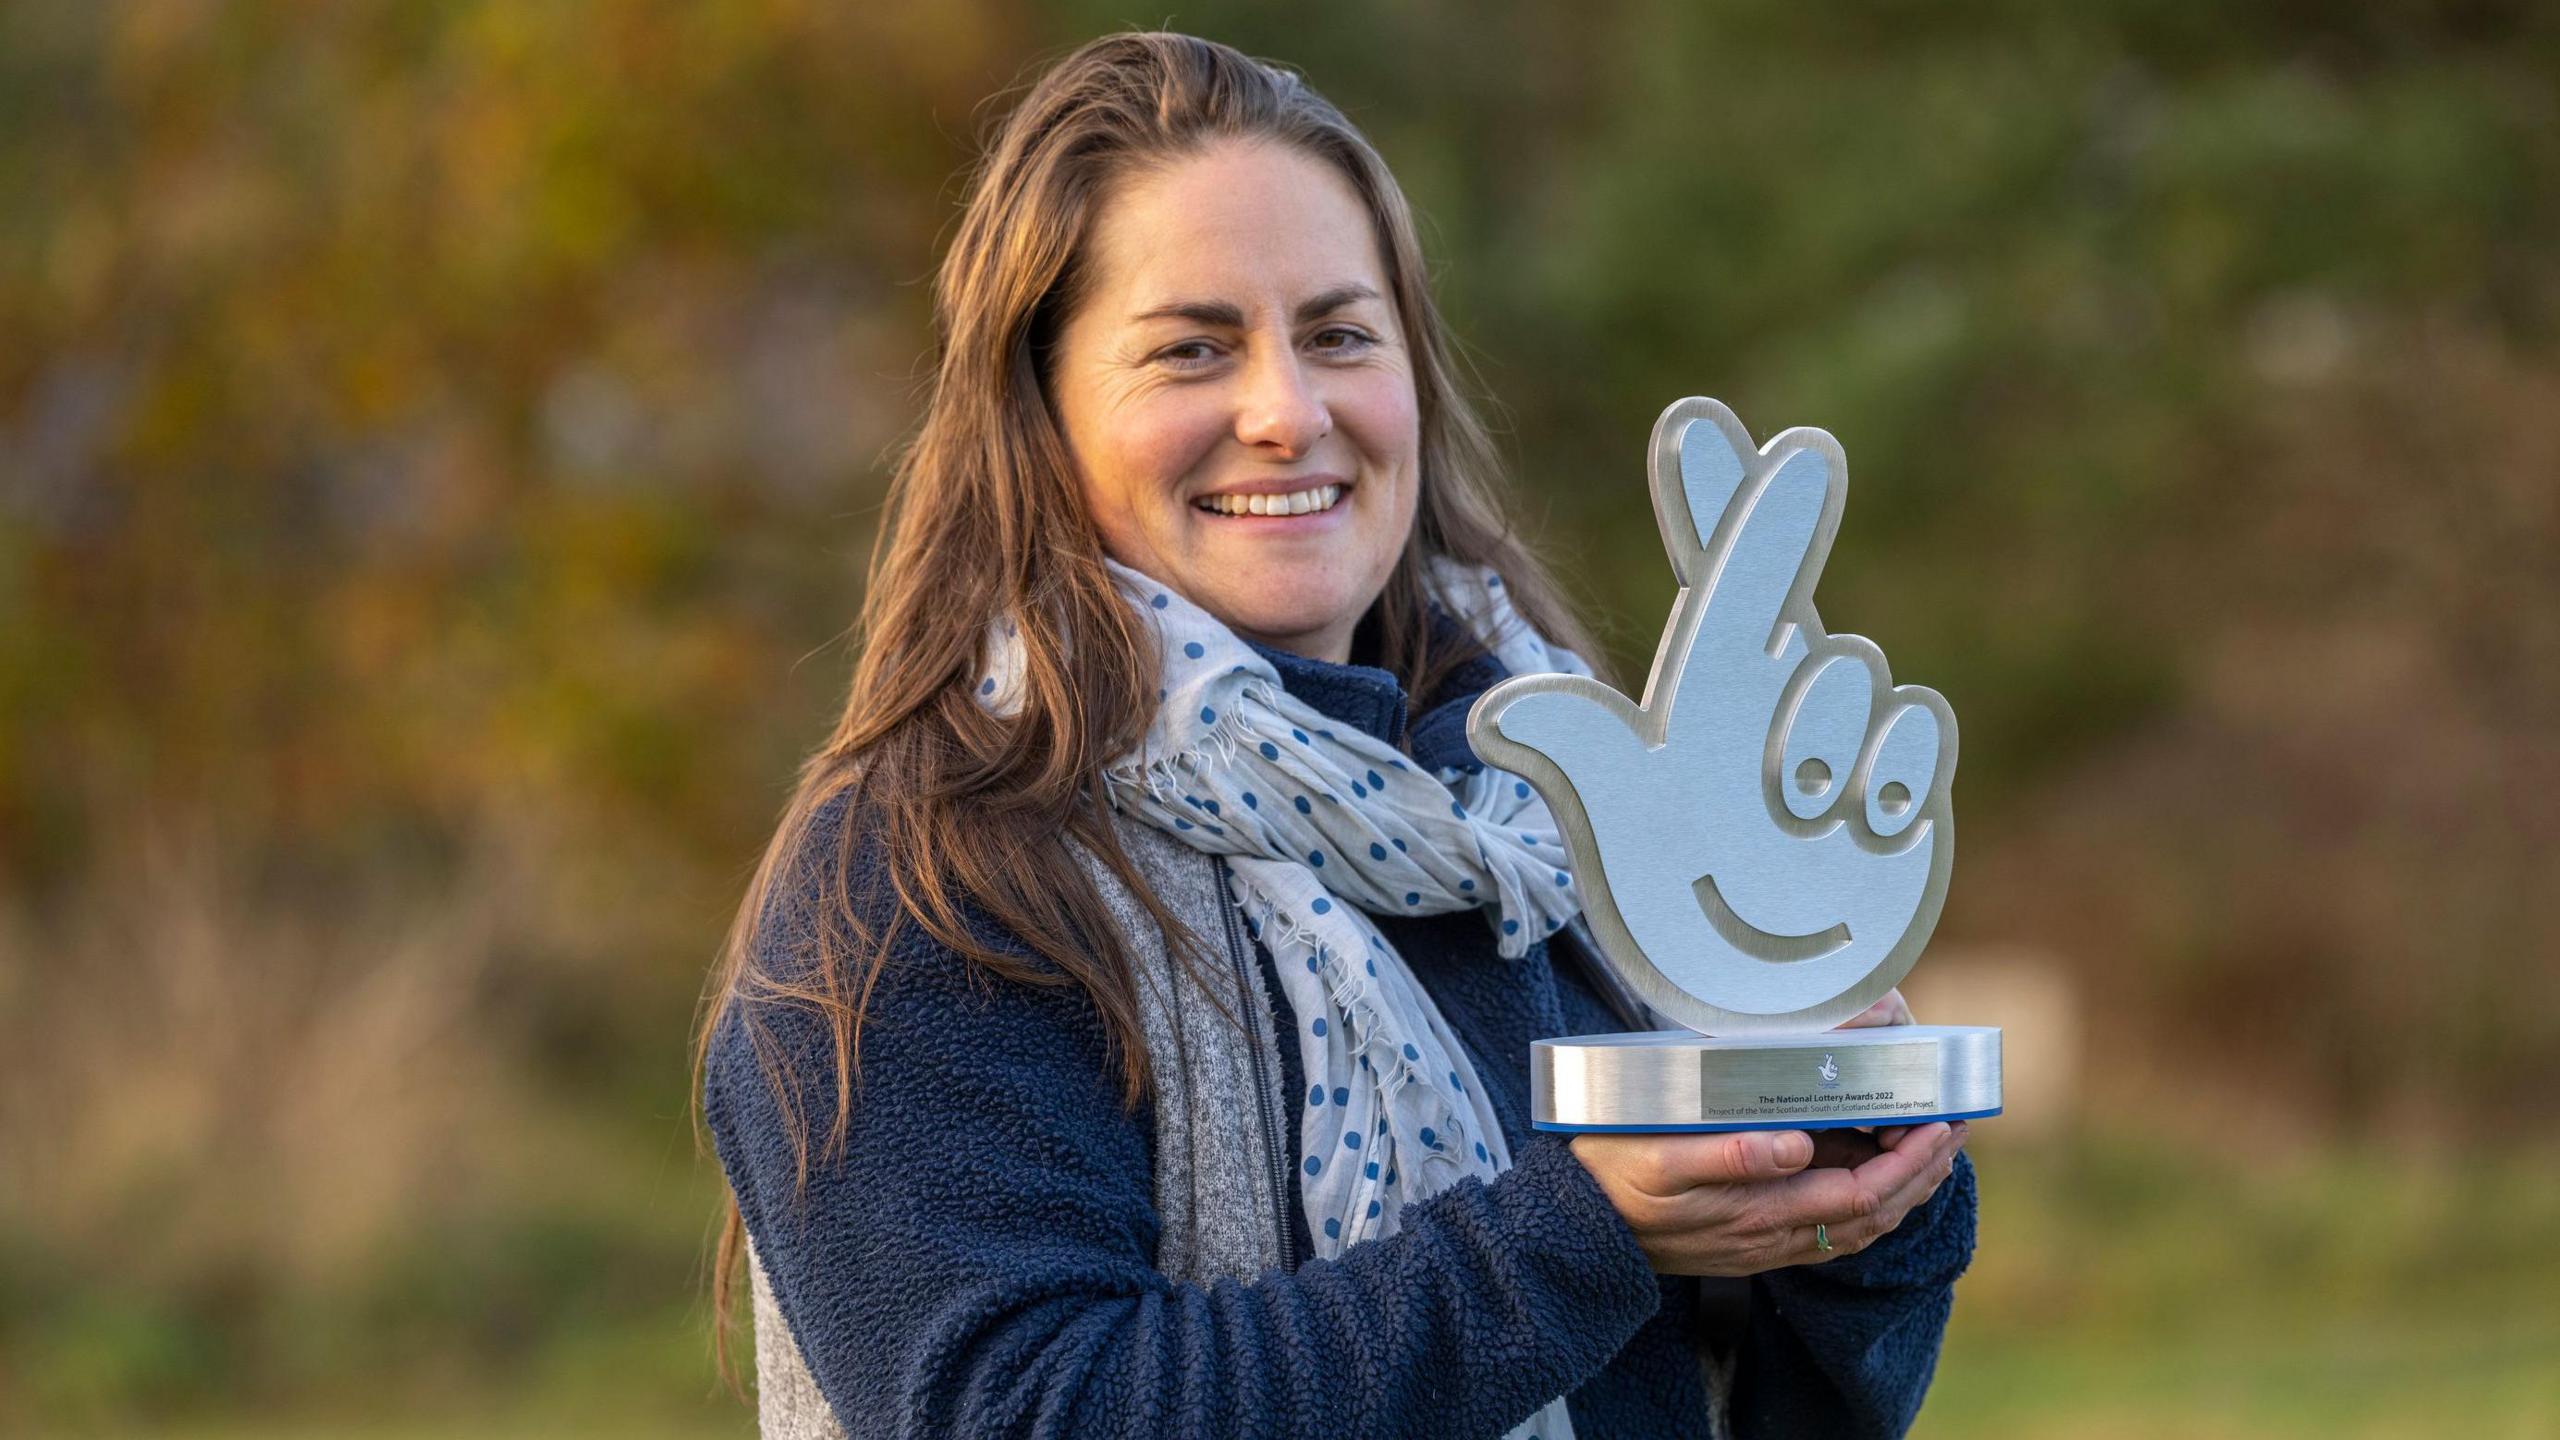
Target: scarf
1321, 831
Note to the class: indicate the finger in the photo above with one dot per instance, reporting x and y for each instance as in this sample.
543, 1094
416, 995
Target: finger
1889, 1010
1704, 472
1956, 1130
1666, 1166
1903, 1133
1821, 1243
1824, 726
1939, 1163
1917, 1192
1775, 543
1573, 723
1906, 764
1689, 1161
1835, 1196
1843, 1149
1850, 1235
1916, 1147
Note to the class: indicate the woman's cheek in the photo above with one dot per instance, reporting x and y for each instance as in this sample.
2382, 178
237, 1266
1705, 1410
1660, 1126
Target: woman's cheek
1381, 411
1168, 443
1386, 406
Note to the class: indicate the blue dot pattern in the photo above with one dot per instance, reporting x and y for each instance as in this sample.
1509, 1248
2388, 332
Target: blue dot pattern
1357, 831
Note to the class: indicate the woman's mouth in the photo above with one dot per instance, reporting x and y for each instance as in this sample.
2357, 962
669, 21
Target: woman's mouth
1310, 501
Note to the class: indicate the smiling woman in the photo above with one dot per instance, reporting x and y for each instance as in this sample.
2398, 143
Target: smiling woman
1127, 1029
1237, 395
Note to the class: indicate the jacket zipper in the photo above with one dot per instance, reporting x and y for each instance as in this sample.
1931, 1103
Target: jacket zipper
1242, 957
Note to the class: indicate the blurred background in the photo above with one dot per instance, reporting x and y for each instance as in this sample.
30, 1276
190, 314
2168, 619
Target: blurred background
438, 443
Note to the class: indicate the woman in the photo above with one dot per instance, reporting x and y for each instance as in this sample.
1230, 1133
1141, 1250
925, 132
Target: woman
1126, 1032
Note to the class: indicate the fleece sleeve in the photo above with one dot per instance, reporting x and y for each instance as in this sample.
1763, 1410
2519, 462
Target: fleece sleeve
979, 1257
1847, 1348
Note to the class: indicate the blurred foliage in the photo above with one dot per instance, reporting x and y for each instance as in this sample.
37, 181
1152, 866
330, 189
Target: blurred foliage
437, 441
2145, 1289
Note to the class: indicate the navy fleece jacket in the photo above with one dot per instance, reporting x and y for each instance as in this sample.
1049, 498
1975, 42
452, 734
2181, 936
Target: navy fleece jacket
979, 1260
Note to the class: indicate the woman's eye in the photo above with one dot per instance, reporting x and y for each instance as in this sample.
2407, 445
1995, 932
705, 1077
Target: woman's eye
1199, 354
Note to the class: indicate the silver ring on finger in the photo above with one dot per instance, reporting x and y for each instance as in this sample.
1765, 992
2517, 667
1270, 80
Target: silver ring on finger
1822, 1238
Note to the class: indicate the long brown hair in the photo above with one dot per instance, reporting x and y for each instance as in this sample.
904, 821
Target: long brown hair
986, 519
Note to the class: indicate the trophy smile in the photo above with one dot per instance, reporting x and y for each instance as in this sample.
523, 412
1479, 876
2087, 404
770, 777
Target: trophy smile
1755, 942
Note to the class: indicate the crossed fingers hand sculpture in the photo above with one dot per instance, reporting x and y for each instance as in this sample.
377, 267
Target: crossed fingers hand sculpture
1763, 841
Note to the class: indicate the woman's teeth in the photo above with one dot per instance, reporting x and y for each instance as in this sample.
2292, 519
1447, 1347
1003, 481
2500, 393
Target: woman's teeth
1296, 502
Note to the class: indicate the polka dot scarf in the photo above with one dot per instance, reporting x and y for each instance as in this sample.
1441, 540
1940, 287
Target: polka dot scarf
1324, 829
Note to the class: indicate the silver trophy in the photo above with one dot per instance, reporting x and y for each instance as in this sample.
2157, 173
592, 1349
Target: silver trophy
1763, 841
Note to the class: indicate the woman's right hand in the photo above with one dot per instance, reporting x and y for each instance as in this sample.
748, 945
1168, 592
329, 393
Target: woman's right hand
1746, 1201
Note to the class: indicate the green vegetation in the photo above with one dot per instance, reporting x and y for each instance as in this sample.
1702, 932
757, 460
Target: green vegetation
2149, 1289
2127, 1288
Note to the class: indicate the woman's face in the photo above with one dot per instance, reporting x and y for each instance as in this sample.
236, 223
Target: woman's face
1237, 393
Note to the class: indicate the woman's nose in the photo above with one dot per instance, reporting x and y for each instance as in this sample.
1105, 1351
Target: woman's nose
1280, 409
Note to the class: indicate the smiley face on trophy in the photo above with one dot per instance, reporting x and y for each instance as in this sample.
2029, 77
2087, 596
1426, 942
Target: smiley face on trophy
1764, 839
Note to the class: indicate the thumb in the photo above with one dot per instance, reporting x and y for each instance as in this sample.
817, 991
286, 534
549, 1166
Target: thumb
1739, 1156
1574, 723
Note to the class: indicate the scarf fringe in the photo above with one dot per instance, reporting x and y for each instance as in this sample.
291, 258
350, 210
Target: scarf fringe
1161, 776
1353, 995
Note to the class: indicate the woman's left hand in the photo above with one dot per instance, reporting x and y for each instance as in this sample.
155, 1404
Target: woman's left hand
1891, 1010
1848, 1149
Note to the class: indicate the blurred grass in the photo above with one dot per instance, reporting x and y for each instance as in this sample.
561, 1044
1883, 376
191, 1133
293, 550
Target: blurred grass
2130, 1288
577, 1311
2126, 1287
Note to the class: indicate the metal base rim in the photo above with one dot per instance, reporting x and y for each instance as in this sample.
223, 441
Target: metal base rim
1826, 1123
1671, 1080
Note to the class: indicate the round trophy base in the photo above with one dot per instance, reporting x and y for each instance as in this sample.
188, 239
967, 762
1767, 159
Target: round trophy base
1682, 1080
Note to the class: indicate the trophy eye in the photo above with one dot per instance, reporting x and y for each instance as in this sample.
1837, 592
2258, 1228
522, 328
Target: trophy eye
1822, 720
1905, 765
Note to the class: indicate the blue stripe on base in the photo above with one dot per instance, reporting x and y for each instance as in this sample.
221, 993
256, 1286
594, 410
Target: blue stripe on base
1827, 1124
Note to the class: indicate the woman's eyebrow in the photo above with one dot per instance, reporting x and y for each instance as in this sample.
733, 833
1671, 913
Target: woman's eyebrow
1221, 312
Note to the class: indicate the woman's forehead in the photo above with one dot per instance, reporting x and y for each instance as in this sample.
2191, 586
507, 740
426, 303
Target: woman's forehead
1262, 228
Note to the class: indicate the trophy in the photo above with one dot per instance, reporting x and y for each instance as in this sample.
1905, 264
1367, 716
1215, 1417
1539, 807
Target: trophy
1763, 841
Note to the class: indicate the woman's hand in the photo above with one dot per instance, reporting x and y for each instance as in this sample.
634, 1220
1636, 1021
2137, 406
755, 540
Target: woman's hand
1743, 1202
1846, 1149
1891, 1010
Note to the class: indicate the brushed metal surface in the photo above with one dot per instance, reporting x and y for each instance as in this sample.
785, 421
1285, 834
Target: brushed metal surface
1680, 1080
1763, 843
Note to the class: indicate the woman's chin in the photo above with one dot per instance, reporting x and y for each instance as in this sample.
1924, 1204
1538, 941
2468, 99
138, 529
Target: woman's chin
1301, 629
